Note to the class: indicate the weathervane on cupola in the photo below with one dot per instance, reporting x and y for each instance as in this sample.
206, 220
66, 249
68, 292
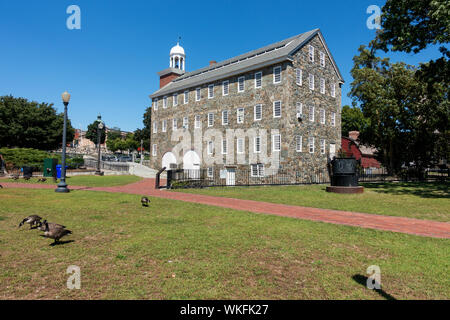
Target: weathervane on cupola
177, 56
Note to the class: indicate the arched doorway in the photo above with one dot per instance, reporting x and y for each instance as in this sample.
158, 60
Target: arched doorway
191, 162
168, 159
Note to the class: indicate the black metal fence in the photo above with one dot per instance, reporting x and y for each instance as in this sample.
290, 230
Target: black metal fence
215, 177
241, 177
107, 165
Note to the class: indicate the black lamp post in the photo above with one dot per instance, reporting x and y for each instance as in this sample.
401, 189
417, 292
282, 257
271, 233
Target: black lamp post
100, 127
62, 186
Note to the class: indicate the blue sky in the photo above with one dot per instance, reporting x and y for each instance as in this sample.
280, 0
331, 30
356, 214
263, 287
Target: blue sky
110, 65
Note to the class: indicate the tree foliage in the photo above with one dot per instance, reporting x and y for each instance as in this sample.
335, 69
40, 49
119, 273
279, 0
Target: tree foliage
406, 119
91, 133
29, 124
144, 133
352, 120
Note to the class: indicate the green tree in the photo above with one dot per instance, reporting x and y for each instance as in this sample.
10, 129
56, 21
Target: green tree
144, 133
113, 134
352, 120
406, 120
27, 124
91, 133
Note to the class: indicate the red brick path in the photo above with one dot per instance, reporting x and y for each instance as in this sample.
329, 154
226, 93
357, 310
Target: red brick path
364, 220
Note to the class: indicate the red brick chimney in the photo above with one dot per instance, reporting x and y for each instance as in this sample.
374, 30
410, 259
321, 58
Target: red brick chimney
212, 62
168, 75
353, 135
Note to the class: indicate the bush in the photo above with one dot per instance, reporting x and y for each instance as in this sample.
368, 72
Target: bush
20, 157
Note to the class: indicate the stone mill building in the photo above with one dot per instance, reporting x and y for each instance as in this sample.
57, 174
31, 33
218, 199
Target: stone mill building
274, 109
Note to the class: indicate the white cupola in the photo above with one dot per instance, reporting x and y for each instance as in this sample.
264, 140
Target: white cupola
177, 57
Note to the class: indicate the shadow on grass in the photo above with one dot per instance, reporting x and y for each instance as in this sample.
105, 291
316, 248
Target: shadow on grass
420, 189
60, 243
362, 280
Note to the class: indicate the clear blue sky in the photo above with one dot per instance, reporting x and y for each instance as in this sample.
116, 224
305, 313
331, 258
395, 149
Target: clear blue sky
110, 65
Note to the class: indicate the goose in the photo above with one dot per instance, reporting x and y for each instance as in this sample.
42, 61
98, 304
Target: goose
15, 177
26, 178
1, 187
42, 180
55, 233
51, 225
145, 201
31, 220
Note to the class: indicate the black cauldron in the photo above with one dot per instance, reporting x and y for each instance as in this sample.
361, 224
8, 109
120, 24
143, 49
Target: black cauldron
344, 172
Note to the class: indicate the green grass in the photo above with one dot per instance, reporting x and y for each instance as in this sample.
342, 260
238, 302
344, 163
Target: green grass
415, 200
87, 181
178, 250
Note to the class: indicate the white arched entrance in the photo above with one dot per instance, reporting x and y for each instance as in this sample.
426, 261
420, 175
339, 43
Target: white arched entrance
191, 160
168, 159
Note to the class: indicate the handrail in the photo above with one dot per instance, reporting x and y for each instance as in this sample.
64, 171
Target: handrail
157, 180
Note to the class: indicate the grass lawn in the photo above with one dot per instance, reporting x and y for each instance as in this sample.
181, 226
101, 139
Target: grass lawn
414, 200
179, 250
87, 181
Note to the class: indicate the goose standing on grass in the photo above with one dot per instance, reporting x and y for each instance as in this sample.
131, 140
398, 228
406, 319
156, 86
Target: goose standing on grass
55, 233
31, 220
51, 225
1, 187
145, 201
42, 180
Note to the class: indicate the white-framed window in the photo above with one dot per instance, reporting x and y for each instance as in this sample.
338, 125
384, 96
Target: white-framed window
257, 144
299, 109
258, 112
186, 122
155, 103
164, 125
298, 76
277, 109
257, 170
258, 80
225, 87
197, 122
175, 99
322, 85
225, 117
155, 126
210, 91
210, 172
165, 102
224, 146
154, 150
210, 119
322, 59
276, 142
333, 90
311, 113
240, 115
277, 75
311, 81
311, 53
332, 150
174, 124
322, 146
198, 94
241, 84
298, 143
210, 149
311, 144
240, 145
186, 97
322, 116
333, 119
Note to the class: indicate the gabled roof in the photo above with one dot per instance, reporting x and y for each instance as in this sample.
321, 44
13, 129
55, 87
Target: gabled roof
258, 58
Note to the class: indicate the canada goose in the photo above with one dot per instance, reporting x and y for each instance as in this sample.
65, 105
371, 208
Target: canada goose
42, 180
51, 225
1, 187
26, 178
15, 177
55, 179
55, 233
31, 220
145, 201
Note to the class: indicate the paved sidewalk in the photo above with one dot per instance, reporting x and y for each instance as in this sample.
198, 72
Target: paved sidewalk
426, 228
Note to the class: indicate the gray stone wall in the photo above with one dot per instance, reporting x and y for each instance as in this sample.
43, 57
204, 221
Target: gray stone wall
287, 91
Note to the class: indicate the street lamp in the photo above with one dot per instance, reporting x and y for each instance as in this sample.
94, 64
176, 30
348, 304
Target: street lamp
100, 127
62, 186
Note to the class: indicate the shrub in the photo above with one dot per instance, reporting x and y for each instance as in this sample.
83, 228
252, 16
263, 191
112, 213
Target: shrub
20, 157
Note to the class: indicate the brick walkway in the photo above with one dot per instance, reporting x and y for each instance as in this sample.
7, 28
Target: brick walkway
426, 228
